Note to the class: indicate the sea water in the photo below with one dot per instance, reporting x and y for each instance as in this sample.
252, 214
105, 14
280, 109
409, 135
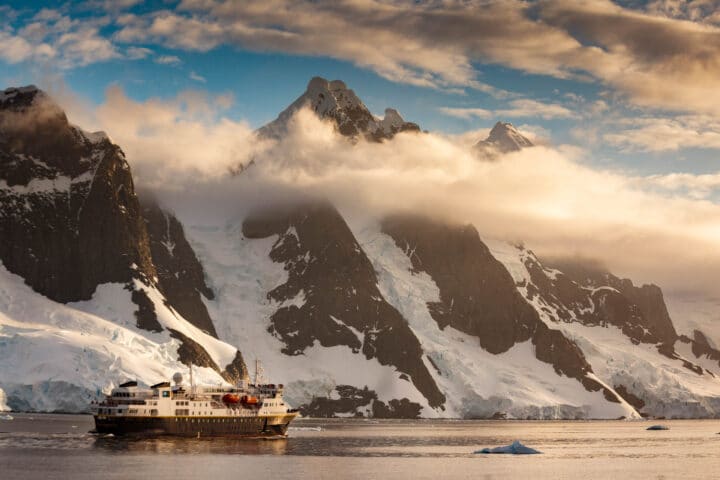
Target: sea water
37, 446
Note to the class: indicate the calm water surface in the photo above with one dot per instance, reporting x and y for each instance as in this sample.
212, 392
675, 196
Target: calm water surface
58, 446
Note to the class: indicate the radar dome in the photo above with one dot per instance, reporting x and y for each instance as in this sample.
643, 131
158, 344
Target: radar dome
178, 378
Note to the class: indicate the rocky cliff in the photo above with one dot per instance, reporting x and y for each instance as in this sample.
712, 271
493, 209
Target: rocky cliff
69, 215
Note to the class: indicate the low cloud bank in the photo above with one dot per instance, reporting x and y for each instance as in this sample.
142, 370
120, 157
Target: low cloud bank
548, 198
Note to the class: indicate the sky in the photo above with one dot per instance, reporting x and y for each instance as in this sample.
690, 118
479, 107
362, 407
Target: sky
622, 98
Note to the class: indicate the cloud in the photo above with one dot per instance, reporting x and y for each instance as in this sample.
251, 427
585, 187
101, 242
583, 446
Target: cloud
168, 60
526, 107
652, 59
664, 56
659, 134
519, 108
547, 197
466, 113
171, 142
197, 78
16, 49
137, 53
50, 36
693, 10
543, 196
697, 186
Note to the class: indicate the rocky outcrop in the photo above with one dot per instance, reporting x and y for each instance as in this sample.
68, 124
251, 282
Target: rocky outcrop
191, 352
479, 297
331, 295
701, 348
585, 293
351, 401
639, 311
333, 101
180, 274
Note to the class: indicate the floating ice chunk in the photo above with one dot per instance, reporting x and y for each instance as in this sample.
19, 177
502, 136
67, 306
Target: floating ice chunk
6, 417
515, 448
658, 427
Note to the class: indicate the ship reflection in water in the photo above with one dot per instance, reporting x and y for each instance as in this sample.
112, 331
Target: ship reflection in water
194, 446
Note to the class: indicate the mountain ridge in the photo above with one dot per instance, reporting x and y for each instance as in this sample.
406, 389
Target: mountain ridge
403, 316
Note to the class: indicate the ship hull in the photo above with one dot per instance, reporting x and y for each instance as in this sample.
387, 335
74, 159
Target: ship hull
214, 426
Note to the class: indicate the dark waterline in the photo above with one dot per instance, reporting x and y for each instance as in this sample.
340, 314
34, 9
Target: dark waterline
36, 446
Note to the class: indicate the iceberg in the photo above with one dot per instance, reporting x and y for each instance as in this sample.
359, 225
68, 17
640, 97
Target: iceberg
658, 427
515, 448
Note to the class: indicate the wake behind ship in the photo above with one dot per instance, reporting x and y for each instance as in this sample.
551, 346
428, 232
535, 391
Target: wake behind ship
248, 410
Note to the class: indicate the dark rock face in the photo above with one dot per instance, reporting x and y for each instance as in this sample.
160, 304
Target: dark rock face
359, 402
332, 100
331, 295
69, 217
145, 314
477, 294
479, 297
181, 277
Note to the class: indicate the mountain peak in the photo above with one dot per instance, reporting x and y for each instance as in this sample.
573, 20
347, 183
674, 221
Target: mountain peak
20, 98
503, 138
320, 83
333, 100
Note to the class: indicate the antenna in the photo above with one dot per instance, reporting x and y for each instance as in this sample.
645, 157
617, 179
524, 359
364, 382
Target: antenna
258, 373
192, 382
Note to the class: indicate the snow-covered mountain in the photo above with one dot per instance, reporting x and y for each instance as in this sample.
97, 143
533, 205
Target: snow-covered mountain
503, 138
88, 298
402, 316
333, 101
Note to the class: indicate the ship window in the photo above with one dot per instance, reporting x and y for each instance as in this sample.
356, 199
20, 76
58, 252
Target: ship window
166, 394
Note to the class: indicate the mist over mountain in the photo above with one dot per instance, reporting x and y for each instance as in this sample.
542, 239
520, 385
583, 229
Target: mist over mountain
330, 260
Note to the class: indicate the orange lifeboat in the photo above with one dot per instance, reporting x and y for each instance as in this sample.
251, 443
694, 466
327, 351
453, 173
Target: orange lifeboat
230, 398
249, 400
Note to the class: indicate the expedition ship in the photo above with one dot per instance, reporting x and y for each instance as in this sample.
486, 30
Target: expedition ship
248, 410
